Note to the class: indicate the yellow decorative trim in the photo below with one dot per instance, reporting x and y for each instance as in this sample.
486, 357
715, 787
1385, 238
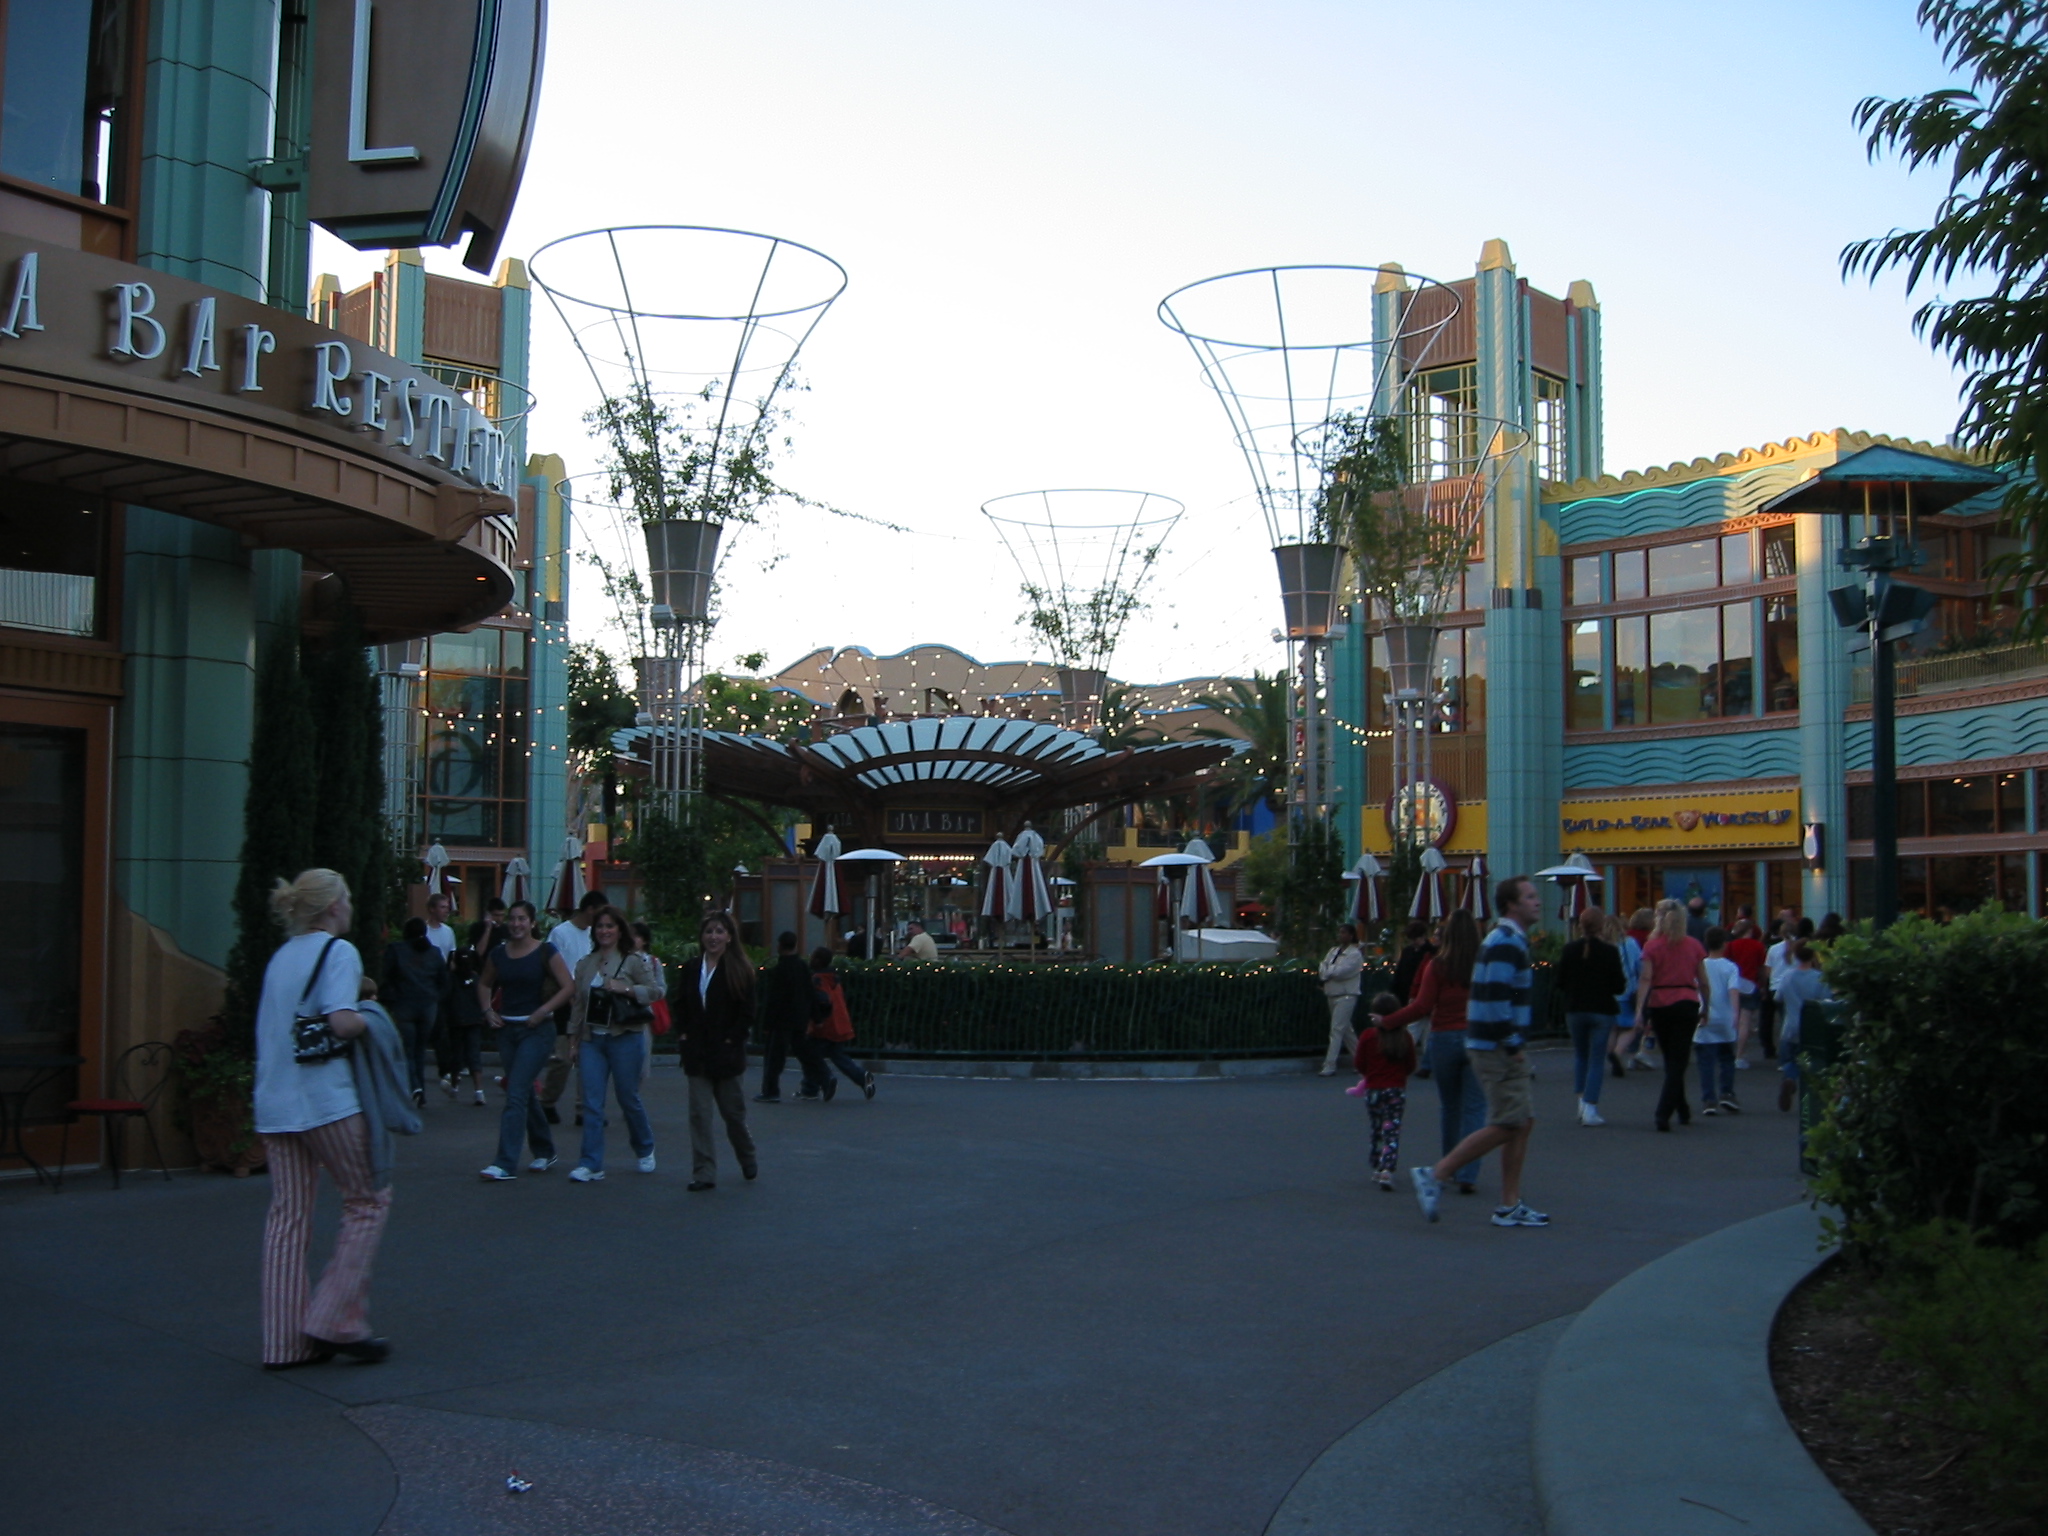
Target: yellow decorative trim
1837, 444
1580, 295
1494, 257
1392, 278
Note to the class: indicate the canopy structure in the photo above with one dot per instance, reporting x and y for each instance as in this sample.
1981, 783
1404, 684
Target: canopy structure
939, 786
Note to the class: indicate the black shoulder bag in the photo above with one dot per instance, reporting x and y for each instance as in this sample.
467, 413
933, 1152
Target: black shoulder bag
313, 1038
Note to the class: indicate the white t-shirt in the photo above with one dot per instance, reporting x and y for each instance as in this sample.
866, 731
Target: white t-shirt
1778, 963
571, 943
442, 937
1724, 980
289, 1096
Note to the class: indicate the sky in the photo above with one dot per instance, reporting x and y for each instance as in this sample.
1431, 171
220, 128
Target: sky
1012, 189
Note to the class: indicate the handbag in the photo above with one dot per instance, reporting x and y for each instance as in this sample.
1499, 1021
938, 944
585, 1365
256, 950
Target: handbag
616, 1010
313, 1038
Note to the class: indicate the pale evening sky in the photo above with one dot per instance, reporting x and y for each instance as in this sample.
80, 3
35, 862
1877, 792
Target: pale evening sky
1012, 189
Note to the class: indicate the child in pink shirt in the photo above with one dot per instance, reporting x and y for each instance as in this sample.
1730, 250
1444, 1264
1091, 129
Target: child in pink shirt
1385, 1057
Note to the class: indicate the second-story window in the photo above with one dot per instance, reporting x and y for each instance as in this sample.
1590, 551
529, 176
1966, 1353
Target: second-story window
64, 105
1552, 460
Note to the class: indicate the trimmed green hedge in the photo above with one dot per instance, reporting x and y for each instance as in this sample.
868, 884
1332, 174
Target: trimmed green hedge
1021, 1010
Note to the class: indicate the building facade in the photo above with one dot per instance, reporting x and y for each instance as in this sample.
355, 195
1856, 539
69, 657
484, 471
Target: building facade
1645, 668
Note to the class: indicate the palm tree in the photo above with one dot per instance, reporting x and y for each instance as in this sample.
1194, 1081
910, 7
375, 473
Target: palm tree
1254, 711
1123, 720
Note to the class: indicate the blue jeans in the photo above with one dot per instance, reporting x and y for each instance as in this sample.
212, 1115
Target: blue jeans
1716, 1060
1589, 1032
620, 1058
523, 1052
1461, 1100
833, 1053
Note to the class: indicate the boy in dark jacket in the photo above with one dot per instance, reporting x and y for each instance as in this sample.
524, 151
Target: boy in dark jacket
786, 1024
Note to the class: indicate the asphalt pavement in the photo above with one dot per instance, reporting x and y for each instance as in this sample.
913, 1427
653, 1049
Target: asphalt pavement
1041, 1308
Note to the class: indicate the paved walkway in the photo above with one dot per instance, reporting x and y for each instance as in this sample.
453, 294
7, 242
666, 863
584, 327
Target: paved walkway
1043, 1308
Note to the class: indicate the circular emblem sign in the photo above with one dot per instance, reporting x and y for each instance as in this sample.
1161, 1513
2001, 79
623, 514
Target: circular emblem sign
1430, 808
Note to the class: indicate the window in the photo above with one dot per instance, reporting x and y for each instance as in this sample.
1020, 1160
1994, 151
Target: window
1552, 460
44, 800
52, 548
65, 92
1676, 568
1781, 551
1736, 564
1586, 708
1781, 654
1631, 579
1735, 686
476, 738
1685, 652
1632, 671
1443, 424
1962, 807
1582, 577
2012, 802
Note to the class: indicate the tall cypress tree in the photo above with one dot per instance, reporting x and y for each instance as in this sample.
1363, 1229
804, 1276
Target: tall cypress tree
277, 825
349, 834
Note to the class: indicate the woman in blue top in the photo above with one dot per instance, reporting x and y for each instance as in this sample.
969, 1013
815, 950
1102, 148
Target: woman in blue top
523, 984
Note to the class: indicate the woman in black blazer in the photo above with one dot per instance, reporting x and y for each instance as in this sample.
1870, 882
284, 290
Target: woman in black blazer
712, 1003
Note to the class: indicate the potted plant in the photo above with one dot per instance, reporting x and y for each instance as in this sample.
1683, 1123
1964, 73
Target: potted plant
216, 1108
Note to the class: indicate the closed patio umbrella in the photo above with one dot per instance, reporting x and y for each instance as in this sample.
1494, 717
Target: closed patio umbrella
825, 897
1429, 890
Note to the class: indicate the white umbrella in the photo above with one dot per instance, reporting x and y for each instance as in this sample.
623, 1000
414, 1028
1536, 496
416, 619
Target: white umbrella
825, 897
1027, 876
1198, 898
995, 901
568, 889
1477, 901
518, 873
1368, 904
873, 859
1574, 877
436, 861
1429, 890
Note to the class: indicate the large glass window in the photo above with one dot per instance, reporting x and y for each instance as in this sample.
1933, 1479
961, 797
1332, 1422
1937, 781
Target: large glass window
1685, 651
1736, 562
1472, 691
1781, 551
1586, 709
1582, 576
1962, 807
52, 546
1631, 575
1781, 654
476, 738
1632, 671
63, 95
42, 895
1443, 429
1676, 568
1551, 455
1736, 685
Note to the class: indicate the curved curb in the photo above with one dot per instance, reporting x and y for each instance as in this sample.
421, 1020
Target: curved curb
1673, 1363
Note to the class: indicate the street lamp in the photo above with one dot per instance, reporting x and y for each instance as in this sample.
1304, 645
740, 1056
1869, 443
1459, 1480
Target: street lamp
1885, 488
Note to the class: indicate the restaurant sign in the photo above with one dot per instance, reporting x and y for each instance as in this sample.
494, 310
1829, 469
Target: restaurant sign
920, 821
1667, 823
91, 320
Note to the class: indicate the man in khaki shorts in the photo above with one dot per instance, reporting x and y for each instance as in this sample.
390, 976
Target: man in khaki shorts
1497, 1023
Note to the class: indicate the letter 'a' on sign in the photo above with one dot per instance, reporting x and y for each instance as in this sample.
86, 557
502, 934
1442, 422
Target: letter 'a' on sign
422, 114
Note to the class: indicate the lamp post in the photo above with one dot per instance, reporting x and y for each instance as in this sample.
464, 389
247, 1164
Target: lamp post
1877, 493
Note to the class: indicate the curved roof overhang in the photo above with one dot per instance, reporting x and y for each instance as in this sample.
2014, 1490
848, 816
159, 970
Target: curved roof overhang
422, 548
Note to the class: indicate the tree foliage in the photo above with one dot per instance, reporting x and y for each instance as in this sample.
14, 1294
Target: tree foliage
1407, 556
752, 708
1992, 225
1081, 626
350, 834
599, 706
1253, 711
1123, 723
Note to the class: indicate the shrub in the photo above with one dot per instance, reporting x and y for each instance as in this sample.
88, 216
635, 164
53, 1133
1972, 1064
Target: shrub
1973, 1319
1938, 1106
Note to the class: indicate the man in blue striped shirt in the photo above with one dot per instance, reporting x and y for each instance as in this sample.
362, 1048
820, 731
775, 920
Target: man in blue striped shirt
1497, 1025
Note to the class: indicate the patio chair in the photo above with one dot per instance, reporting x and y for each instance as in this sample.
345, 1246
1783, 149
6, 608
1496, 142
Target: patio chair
139, 1076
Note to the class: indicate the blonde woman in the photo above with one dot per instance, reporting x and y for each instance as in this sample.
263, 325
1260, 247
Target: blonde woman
616, 986
312, 1115
1670, 993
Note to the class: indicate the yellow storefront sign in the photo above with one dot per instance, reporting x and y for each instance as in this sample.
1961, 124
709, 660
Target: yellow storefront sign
1468, 831
1672, 822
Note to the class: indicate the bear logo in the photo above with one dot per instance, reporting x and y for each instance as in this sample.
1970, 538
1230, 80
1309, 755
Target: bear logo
1687, 820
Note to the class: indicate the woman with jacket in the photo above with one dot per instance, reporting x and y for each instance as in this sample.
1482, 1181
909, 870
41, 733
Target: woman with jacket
713, 1009
1592, 978
616, 988
832, 1027
1340, 971
1669, 995
1441, 993
412, 989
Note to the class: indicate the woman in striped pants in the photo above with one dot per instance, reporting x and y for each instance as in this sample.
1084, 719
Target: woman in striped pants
310, 1118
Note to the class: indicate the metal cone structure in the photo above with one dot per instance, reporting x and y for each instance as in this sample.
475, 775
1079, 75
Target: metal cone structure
689, 334
1289, 350
1084, 557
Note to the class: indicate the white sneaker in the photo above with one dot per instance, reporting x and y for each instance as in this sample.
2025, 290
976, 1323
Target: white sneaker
497, 1175
1588, 1115
1742, 1063
582, 1175
1427, 1191
541, 1164
647, 1163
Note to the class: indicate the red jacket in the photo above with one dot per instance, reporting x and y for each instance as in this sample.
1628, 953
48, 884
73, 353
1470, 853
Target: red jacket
1436, 1000
831, 1021
1373, 1063
1748, 955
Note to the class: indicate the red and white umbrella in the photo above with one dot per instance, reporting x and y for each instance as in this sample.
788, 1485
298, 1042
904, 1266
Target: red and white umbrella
569, 887
1477, 900
517, 878
436, 861
1369, 901
997, 900
1429, 890
1030, 898
825, 897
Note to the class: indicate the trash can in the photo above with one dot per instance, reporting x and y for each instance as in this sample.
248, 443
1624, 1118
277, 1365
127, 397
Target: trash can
1823, 1028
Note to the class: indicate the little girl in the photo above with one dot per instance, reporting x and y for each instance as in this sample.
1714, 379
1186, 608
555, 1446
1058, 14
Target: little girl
1386, 1055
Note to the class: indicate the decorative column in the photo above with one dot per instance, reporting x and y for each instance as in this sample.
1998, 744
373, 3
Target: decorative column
1824, 670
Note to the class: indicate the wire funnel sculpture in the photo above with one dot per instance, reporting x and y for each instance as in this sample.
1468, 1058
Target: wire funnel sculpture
1084, 556
690, 335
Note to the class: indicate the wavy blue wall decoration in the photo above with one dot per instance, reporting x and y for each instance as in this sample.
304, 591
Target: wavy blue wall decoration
1683, 759
1660, 509
1958, 735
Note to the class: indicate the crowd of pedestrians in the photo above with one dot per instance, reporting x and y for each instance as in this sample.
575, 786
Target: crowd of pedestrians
1667, 982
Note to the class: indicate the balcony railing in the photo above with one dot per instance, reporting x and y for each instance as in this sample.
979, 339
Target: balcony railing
1953, 671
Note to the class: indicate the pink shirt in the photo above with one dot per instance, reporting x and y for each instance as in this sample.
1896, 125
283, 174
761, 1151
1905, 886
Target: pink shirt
1673, 966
